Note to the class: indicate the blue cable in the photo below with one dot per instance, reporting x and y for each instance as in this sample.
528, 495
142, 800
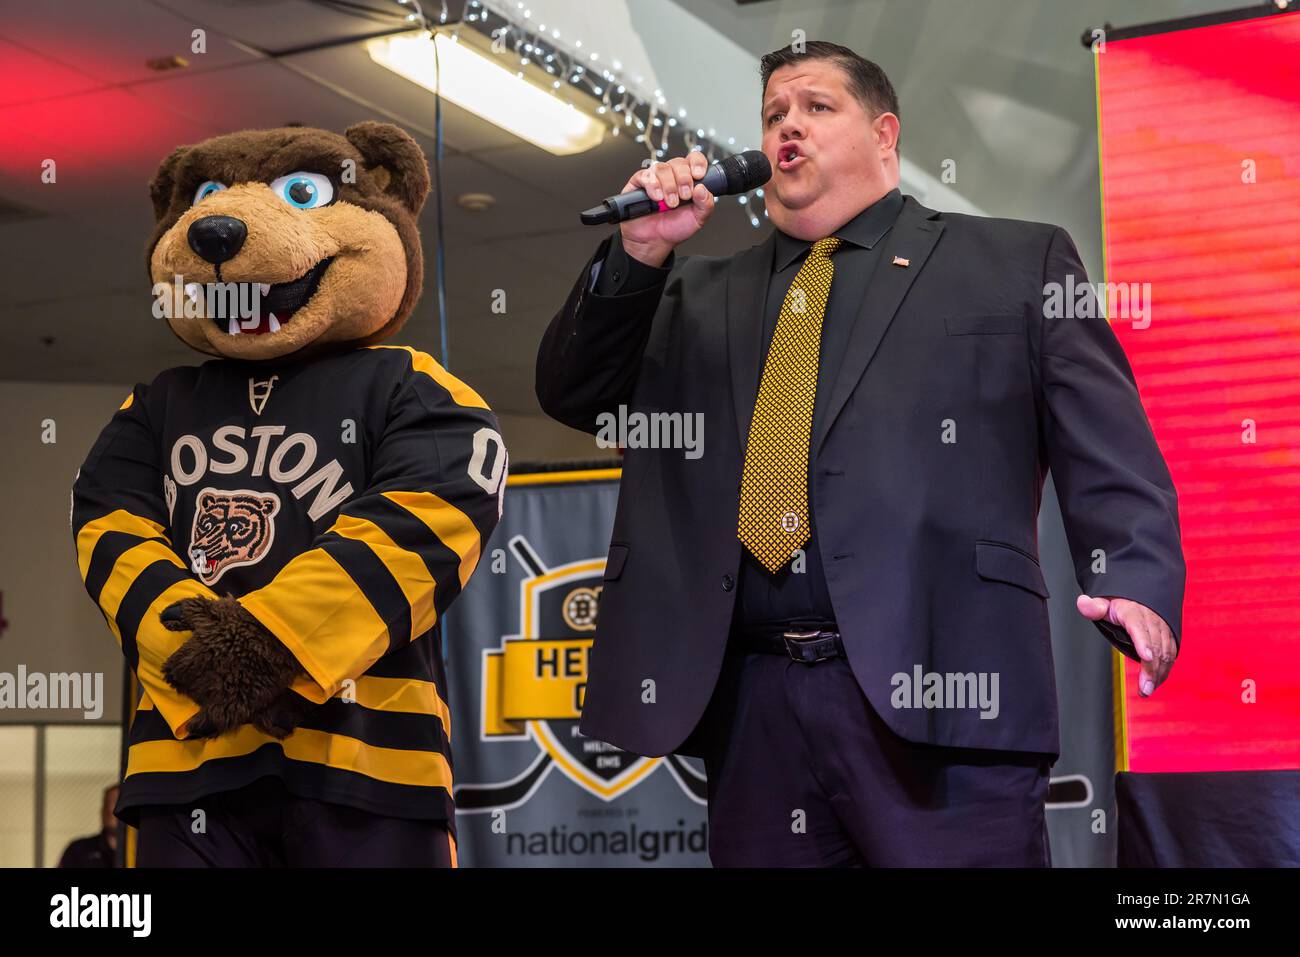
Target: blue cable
441, 280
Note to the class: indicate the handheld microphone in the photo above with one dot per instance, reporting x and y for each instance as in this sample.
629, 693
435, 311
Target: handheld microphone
735, 174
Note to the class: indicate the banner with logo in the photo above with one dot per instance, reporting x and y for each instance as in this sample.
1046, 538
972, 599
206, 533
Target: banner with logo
530, 790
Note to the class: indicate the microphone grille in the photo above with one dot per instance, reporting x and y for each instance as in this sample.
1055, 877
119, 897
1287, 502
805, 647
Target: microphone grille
746, 171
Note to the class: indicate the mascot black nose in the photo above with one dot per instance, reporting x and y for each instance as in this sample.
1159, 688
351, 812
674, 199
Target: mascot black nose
217, 238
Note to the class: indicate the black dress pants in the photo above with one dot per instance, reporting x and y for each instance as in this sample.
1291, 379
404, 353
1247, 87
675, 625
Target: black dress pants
803, 772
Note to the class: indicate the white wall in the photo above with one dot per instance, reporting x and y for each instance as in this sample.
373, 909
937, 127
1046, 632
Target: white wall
53, 625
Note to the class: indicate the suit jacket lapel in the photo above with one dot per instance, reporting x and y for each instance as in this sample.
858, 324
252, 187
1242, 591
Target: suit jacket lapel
912, 238
747, 282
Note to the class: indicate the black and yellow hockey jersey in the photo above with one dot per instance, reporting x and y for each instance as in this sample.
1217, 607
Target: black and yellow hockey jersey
345, 502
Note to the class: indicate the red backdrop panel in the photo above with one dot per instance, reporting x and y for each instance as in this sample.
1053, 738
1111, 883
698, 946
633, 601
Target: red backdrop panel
1200, 161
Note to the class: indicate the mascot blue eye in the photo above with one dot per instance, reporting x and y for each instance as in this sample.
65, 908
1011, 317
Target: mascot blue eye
304, 190
206, 189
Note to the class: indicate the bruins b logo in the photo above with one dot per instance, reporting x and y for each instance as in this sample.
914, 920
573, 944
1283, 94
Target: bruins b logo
579, 608
231, 528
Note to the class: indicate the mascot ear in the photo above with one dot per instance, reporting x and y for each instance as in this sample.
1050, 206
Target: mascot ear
160, 187
383, 145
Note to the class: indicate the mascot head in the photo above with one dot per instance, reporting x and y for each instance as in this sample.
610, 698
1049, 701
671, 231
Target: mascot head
293, 240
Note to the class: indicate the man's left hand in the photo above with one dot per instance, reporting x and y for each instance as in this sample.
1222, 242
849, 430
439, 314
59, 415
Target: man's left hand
1152, 639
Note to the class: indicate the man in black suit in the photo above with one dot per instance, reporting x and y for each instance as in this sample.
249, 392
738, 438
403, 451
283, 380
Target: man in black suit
839, 605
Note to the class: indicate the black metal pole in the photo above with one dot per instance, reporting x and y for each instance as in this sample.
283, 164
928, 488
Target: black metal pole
1267, 9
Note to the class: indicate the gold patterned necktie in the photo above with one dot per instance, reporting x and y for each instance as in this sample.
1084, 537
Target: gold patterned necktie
774, 486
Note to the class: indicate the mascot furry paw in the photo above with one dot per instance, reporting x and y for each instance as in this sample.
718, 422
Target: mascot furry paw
233, 668
274, 535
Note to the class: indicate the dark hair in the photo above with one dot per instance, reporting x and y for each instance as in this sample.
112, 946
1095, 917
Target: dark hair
866, 80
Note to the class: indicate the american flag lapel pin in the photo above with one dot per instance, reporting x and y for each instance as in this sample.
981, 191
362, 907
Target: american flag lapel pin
900, 261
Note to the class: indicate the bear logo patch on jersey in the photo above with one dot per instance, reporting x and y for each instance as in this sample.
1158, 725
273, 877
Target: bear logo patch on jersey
231, 528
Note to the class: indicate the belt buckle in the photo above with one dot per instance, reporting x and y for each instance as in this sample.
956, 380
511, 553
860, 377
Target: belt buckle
797, 641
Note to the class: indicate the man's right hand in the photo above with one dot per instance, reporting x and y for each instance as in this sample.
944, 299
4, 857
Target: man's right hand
651, 239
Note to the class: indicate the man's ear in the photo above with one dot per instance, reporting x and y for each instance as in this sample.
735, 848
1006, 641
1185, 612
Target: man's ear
160, 187
388, 146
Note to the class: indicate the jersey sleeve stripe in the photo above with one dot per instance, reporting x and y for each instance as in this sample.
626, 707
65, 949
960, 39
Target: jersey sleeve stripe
407, 569
425, 364
378, 586
132, 574
410, 533
328, 628
128, 570
109, 548
449, 524
148, 644
121, 521
131, 611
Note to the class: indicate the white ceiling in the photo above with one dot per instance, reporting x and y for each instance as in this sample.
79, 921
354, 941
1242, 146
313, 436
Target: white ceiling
1003, 87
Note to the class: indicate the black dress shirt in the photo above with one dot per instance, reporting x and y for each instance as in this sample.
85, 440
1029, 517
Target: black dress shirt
787, 597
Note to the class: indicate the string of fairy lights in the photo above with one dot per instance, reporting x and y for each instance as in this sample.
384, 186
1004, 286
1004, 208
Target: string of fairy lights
652, 123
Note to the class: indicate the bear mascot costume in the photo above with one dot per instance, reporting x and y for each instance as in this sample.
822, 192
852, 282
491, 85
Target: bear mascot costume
273, 536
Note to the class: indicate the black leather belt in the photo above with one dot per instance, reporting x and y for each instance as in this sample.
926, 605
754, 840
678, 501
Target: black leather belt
804, 644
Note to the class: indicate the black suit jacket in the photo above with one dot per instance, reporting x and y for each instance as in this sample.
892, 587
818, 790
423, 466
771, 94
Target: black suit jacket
954, 398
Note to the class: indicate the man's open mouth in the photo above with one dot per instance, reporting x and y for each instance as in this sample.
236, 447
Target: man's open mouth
789, 156
265, 307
